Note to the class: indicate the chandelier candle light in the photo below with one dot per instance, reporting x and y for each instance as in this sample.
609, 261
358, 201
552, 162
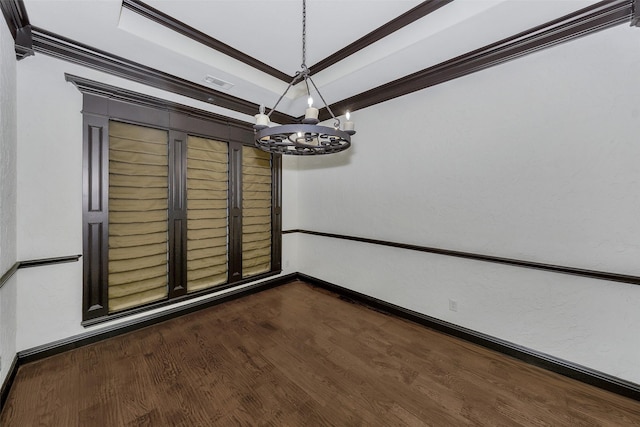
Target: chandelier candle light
306, 138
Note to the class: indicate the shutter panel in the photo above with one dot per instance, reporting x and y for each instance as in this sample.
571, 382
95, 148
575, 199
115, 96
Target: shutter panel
256, 211
138, 225
207, 213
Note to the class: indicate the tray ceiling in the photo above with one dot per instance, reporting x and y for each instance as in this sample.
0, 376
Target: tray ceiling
269, 31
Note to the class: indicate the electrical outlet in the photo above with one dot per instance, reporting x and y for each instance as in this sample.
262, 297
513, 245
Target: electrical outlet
453, 305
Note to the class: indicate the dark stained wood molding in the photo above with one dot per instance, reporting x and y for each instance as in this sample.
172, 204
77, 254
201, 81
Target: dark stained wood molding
276, 211
202, 38
35, 263
602, 15
87, 338
18, 22
592, 274
169, 302
530, 356
9, 274
102, 103
177, 214
60, 47
90, 337
8, 381
589, 20
95, 214
49, 261
93, 87
235, 212
545, 361
635, 19
14, 14
390, 27
418, 12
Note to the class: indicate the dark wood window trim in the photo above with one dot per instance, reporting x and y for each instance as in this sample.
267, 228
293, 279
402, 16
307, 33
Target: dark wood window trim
102, 103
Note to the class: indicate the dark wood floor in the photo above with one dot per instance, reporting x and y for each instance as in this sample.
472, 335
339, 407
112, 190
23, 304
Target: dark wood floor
299, 356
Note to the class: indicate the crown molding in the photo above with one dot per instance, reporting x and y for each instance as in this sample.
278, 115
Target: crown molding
18, 22
635, 19
418, 12
72, 51
173, 24
597, 17
104, 90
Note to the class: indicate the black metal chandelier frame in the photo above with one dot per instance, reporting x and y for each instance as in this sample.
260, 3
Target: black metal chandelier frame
306, 138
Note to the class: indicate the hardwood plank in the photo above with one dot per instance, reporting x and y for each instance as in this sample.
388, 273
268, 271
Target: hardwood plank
299, 355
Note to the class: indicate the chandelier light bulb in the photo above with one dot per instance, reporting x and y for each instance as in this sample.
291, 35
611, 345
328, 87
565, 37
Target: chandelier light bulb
311, 114
349, 126
305, 137
262, 120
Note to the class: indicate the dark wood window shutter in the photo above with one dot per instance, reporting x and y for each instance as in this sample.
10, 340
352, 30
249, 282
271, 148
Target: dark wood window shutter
177, 202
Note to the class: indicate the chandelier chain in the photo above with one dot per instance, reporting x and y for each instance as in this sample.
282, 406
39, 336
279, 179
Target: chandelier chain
304, 34
305, 138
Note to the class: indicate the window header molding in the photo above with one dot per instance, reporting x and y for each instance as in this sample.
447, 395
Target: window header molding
171, 114
108, 92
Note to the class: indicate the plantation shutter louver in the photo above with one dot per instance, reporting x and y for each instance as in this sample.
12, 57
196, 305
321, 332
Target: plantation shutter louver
138, 210
256, 211
207, 213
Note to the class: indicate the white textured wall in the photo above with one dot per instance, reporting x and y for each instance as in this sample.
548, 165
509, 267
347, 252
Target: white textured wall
50, 196
535, 159
290, 213
8, 179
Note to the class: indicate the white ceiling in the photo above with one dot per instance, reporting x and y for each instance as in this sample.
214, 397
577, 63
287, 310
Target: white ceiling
270, 31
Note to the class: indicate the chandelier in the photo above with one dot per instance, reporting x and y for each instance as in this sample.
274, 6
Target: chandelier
306, 138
